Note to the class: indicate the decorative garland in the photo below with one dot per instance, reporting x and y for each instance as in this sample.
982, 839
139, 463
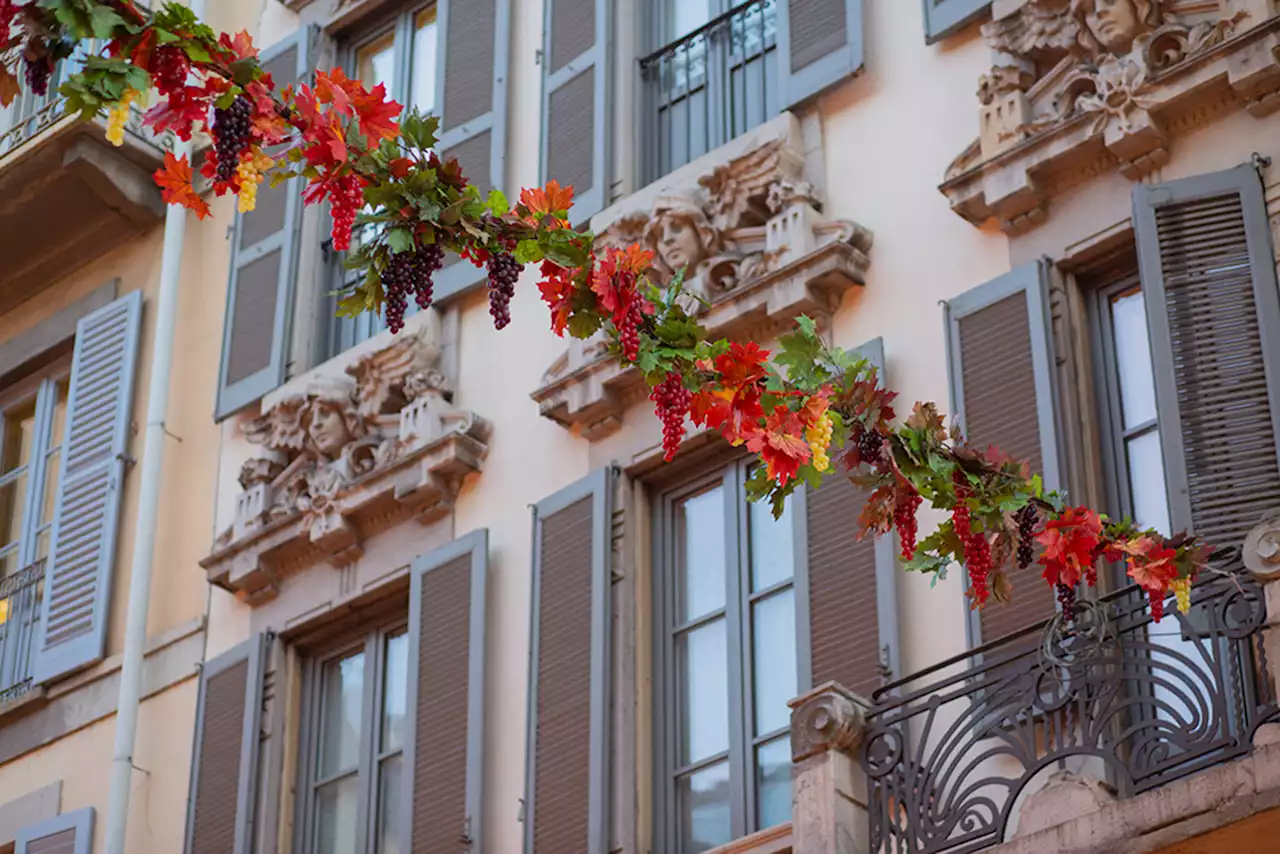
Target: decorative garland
807, 411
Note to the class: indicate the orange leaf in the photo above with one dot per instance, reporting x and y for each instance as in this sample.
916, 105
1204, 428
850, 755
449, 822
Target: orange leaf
240, 45
781, 444
550, 201
377, 114
174, 180
400, 167
9, 87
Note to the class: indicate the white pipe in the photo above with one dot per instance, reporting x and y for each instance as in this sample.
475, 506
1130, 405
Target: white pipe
144, 536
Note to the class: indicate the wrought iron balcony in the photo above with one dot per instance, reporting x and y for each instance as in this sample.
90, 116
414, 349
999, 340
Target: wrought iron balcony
709, 86
20, 597
1133, 703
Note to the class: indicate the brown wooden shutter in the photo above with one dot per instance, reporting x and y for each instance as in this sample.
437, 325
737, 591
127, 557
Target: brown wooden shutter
944, 17
224, 762
576, 98
1209, 281
820, 46
852, 584
69, 833
446, 697
567, 787
1001, 370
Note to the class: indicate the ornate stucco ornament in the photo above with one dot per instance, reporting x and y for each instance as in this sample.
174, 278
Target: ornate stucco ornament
350, 453
754, 246
1079, 85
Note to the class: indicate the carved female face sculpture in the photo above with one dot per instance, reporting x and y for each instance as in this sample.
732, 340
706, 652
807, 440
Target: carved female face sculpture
1116, 23
327, 429
679, 243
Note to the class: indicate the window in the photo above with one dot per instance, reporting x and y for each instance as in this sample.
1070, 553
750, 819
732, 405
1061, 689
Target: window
712, 77
727, 662
355, 744
402, 56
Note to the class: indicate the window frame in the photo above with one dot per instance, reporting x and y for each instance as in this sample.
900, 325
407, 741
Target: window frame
732, 474
371, 641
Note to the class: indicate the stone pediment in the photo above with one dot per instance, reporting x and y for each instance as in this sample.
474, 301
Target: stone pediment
364, 442
1081, 86
755, 248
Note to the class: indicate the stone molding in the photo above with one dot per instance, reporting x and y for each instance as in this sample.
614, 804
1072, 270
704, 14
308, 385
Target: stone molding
1072, 92
827, 718
757, 252
360, 443
1262, 548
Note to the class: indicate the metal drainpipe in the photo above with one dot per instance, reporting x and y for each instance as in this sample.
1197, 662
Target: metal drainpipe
135, 635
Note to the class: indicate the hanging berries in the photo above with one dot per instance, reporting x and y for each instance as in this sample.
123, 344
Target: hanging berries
818, 436
232, 131
38, 70
118, 117
409, 273
870, 446
1027, 519
426, 261
347, 197
504, 270
1181, 588
671, 402
1067, 599
906, 503
1156, 598
250, 172
169, 67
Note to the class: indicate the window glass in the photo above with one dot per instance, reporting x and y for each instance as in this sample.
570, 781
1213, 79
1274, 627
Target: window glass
1133, 358
376, 61
12, 496
389, 806
395, 679
19, 432
684, 16
1146, 482
773, 781
702, 525
704, 809
773, 624
422, 73
772, 545
337, 813
342, 703
704, 663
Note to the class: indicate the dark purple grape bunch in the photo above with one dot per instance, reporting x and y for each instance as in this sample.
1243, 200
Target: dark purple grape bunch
1027, 519
425, 261
38, 68
504, 269
1067, 600
397, 282
231, 135
870, 446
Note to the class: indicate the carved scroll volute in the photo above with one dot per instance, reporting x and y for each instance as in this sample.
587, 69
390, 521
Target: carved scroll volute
827, 718
1262, 548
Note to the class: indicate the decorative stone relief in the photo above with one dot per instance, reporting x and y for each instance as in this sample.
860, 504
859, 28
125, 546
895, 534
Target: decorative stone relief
1262, 548
345, 457
754, 246
827, 718
1075, 81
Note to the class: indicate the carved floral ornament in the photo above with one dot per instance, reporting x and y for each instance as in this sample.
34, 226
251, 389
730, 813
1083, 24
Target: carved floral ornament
1082, 85
754, 246
346, 457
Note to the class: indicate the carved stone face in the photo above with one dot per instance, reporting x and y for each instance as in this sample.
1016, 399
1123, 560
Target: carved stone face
679, 243
1116, 23
327, 429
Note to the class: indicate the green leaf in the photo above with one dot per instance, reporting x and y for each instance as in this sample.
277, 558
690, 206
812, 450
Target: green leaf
807, 326
528, 251
497, 203
400, 240
103, 20
584, 324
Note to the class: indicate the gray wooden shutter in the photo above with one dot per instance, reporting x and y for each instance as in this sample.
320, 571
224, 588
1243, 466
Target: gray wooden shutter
77, 581
1209, 281
69, 833
224, 758
575, 100
820, 45
944, 17
264, 263
851, 583
446, 697
1000, 366
567, 783
473, 57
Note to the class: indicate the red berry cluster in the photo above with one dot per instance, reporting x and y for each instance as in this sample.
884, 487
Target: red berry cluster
504, 270
38, 71
232, 131
169, 67
671, 401
1067, 599
1027, 520
1156, 598
977, 551
629, 331
347, 197
905, 505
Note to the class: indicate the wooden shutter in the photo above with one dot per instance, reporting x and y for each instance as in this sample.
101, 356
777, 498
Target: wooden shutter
852, 583
1209, 282
473, 56
264, 261
575, 101
77, 581
224, 759
944, 17
567, 784
1000, 365
820, 45
69, 833
446, 697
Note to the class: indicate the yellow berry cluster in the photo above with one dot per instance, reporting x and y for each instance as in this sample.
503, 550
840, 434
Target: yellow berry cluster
251, 171
1182, 592
118, 117
819, 438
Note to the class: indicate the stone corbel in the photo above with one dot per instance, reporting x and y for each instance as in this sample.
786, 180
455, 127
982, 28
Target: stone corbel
828, 785
1262, 548
1254, 73
1139, 142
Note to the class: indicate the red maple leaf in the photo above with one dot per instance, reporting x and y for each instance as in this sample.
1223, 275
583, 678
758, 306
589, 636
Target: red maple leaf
1070, 545
1152, 565
377, 114
174, 180
557, 292
336, 90
239, 46
400, 167
178, 113
553, 201
781, 444
744, 363
614, 281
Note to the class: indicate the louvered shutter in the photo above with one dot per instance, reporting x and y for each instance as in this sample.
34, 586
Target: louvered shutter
473, 56
567, 784
1209, 282
944, 17
264, 262
445, 698
575, 101
1000, 365
852, 583
77, 581
820, 45
69, 833
224, 759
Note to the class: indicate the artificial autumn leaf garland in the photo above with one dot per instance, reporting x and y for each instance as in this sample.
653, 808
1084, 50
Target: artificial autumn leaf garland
807, 411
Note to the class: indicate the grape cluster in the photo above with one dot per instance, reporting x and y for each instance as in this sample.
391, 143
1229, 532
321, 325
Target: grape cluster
249, 173
629, 331
870, 446
118, 117
426, 260
960, 513
1027, 520
818, 435
346, 198
671, 401
1156, 598
38, 71
169, 66
503, 269
409, 273
1182, 593
1067, 599
977, 559
905, 505
231, 135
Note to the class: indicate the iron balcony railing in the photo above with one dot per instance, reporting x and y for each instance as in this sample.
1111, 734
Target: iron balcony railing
710, 86
20, 597
1115, 696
